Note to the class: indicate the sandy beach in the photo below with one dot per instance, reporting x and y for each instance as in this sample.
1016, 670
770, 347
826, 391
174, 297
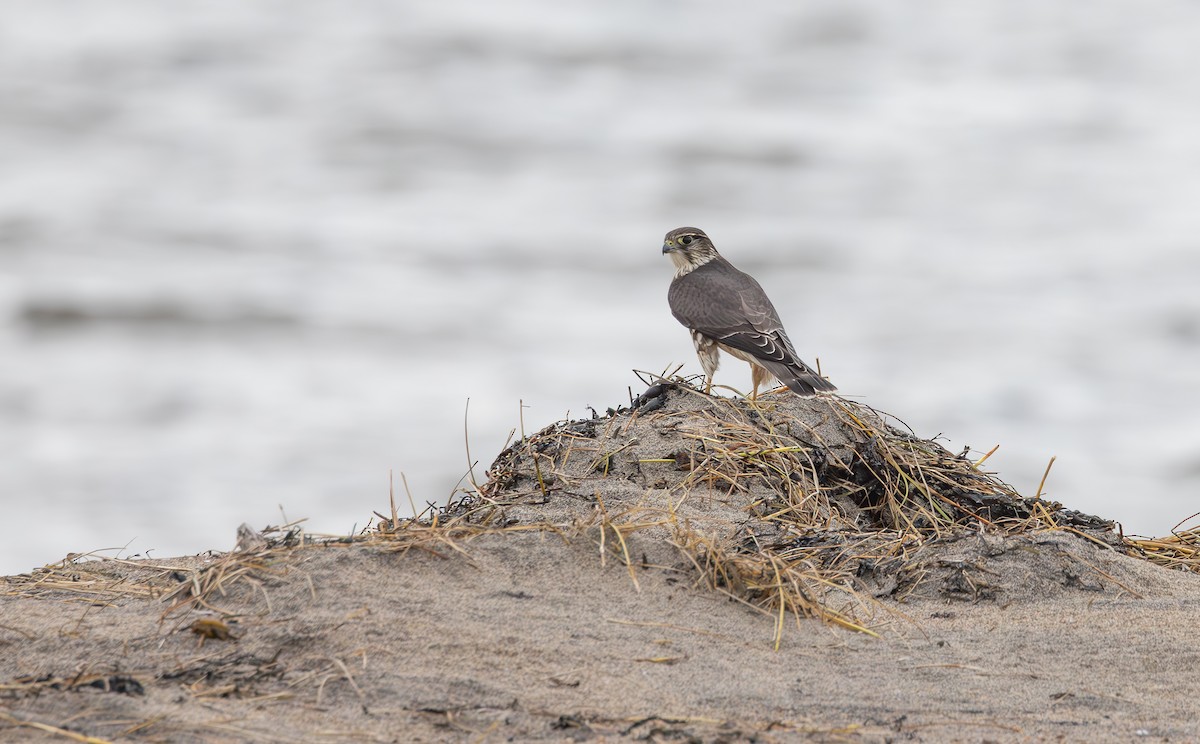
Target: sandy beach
671, 571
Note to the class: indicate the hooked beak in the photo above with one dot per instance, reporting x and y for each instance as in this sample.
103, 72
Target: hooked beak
669, 246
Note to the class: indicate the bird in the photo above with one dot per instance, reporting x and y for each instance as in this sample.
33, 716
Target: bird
727, 310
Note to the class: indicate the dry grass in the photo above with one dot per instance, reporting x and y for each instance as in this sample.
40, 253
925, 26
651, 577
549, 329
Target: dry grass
1179, 550
822, 499
46, 728
820, 492
89, 579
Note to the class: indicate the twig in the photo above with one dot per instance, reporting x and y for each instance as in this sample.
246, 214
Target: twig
467, 444
1045, 475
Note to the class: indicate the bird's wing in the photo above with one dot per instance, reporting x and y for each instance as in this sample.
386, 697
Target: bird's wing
724, 304
729, 306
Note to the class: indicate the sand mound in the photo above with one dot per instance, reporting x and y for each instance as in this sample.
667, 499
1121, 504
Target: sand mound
644, 575
817, 505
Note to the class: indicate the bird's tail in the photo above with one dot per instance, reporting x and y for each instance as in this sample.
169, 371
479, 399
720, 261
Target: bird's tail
802, 379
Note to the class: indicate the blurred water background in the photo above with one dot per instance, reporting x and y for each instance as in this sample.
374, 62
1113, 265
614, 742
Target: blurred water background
256, 255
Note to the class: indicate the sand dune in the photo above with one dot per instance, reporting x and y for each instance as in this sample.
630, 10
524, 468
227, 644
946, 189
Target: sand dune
692, 569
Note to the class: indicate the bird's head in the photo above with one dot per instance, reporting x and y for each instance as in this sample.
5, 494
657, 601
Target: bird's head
689, 248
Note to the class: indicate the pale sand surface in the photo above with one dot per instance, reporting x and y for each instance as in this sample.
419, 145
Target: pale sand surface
543, 635
530, 638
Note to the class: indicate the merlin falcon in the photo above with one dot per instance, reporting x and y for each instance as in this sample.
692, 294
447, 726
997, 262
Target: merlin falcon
727, 310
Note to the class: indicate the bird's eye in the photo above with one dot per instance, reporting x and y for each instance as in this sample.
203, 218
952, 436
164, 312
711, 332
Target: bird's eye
686, 240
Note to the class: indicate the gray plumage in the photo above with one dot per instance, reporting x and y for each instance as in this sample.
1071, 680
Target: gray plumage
726, 309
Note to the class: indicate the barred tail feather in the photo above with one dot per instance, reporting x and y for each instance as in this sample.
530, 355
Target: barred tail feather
801, 379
